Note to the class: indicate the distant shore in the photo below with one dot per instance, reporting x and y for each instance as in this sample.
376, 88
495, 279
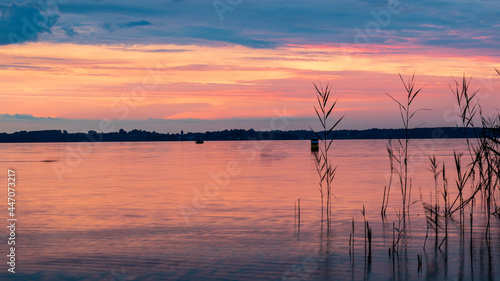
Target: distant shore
231, 135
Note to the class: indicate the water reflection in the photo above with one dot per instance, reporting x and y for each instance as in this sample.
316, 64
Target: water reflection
118, 213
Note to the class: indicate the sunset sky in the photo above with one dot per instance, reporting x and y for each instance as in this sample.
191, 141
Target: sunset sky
198, 65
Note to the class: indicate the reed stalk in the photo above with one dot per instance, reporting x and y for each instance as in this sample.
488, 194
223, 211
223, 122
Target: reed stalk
387, 188
326, 136
402, 145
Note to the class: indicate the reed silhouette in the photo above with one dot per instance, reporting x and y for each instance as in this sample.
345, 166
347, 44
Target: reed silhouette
326, 171
399, 150
477, 180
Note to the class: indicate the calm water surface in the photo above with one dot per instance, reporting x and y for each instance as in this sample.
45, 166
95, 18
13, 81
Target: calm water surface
225, 211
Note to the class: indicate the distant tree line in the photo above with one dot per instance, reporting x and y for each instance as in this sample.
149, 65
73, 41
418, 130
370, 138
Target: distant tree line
236, 134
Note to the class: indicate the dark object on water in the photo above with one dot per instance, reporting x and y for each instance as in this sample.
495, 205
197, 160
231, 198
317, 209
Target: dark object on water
314, 145
199, 141
48, 161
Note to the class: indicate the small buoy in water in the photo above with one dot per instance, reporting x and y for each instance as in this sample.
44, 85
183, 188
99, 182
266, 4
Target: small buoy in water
314, 145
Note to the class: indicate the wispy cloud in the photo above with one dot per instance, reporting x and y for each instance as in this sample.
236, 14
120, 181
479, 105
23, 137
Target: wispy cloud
112, 27
225, 35
24, 116
135, 23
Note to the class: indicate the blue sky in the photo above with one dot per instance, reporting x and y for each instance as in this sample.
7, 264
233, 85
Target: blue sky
260, 24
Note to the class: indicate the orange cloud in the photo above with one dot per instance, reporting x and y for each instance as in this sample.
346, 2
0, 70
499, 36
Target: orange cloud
169, 81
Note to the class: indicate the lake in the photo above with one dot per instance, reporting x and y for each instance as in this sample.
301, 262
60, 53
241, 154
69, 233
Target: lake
226, 211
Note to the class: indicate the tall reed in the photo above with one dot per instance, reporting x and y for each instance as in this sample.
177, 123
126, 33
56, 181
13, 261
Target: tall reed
482, 171
401, 148
326, 136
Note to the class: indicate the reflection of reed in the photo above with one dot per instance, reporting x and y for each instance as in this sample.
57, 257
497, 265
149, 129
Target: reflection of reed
351, 242
297, 216
387, 189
